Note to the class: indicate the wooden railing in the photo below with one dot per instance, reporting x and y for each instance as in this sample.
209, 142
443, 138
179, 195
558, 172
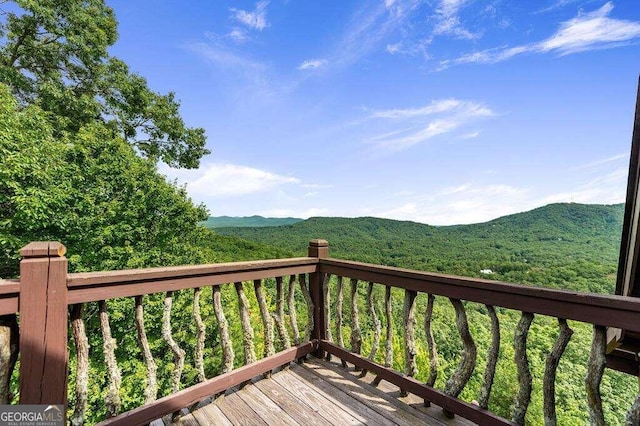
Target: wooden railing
48, 299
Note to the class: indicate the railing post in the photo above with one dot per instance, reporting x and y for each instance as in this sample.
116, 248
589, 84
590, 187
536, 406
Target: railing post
43, 324
319, 249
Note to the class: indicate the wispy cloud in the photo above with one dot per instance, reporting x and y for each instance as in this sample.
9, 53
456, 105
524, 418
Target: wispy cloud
587, 31
312, 64
448, 20
257, 19
238, 35
604, 161
412, 126
219, 180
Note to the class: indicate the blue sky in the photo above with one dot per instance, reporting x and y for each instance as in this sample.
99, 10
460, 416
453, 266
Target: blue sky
441, 112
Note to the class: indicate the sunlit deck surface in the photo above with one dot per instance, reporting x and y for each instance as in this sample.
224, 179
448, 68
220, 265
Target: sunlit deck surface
319, 393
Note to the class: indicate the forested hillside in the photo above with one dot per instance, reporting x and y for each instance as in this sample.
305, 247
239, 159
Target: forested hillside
572, 246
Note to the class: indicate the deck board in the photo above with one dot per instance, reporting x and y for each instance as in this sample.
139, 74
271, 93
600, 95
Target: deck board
317, 393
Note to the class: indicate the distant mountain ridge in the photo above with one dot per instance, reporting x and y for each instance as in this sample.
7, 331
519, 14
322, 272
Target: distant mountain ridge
248, 221
563, 240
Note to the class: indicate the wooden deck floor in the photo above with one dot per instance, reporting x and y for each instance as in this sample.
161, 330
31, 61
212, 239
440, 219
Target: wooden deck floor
317, 393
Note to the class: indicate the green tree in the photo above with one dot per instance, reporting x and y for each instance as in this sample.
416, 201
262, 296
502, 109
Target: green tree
54, 53
90, 191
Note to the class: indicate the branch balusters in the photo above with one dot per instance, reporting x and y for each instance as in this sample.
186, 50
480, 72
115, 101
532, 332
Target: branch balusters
82, 365
8, 354
112, 397
327, 310
464, 370
339, 301
431, 345
223, 329
633, 415
291, 303
376, 322
410, 367
356, 333
492, 359
595, 369
200, 335
178, 353
151, 390
522, 362
551, 365
376, 325
269, 348
245, 322
388, 356
302, 278
278, 316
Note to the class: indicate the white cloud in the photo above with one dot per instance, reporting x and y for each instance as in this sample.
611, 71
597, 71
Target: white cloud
228, 180
415, 125
459, 205
256, 20
394, 48
312, 64
587, 31
238, 35
448, 20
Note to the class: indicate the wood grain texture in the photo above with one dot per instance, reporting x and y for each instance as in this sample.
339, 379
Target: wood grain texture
468, 411
213, 386
245, 322
595, 370
167, 336
551, 365
223, 330
409, 335
201, 331
291, 305
8, 354
467, 364
522, 363
278, 315
112, 400
356, 332
43, 330
114, 284
492, 359
151, 390
339, 318
81, 343
267, 323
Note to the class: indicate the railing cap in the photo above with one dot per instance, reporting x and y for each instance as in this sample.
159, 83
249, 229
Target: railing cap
319, 248
43, 249
319, 243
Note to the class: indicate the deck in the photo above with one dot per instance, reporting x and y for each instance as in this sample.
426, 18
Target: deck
319, 393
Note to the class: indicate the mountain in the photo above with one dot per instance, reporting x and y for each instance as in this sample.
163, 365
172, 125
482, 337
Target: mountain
560, 245
249, 221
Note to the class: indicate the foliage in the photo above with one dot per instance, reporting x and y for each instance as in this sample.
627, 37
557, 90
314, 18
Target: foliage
91, 192
55, 54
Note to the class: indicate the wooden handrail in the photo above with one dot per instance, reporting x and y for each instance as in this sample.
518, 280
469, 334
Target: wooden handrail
94, 286
598, 309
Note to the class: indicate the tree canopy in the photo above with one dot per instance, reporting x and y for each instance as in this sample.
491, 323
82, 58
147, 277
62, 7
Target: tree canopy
54, 54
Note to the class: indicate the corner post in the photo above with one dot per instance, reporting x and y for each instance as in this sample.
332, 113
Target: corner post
43, 324
319, 249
